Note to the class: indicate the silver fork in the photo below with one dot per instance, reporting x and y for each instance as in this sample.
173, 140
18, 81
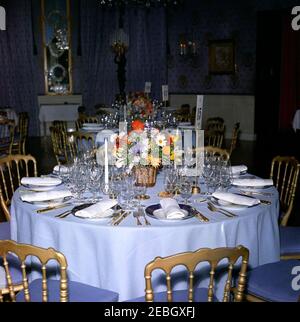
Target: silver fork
142, 214
136, 215
212, 208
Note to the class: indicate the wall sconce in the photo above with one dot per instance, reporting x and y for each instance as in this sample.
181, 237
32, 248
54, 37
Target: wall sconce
188, 48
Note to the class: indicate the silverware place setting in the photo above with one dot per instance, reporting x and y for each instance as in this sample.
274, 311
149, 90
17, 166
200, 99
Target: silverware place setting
226, 213
73, 211
200, 216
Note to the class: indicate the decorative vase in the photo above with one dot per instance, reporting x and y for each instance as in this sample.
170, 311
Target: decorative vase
146, 176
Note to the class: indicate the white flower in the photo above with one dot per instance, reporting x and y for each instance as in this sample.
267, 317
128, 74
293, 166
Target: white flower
160, 140
136, 159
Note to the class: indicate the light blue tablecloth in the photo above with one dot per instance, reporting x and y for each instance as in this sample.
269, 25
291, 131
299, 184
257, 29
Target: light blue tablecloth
115, 257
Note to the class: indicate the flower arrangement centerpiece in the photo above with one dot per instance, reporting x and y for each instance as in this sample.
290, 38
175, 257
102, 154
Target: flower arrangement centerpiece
139, 106
142, 149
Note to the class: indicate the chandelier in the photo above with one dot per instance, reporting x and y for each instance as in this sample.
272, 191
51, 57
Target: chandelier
141, 3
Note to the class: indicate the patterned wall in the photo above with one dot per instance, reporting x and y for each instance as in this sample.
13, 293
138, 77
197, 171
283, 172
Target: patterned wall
204, 20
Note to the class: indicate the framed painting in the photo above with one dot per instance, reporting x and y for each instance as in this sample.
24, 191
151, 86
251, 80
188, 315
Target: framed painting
222, 56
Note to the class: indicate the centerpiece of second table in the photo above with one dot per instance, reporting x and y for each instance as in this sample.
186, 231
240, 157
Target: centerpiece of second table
143, 150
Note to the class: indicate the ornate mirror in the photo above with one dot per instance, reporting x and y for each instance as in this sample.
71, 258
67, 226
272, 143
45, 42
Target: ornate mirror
57, 46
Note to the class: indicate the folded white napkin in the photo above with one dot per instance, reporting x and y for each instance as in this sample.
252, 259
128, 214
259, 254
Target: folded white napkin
253, 182
171, 209
237, 169
44, 196
101, 209
235, 199
42, 182
61, 168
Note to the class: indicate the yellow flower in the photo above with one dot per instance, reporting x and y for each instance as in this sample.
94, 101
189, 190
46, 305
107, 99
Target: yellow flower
155, 162
166, 150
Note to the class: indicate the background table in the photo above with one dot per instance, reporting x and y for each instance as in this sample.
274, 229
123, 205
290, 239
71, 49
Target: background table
115, 257
63, 112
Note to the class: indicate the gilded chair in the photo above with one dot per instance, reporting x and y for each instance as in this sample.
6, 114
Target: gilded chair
273, 282
214, 132
60, 145
19, 145
215, 123
46, 290
235, 137
79, 142
12, 169
190, 261
88, 119
60, 125
7, 134
285, 173
215, 151
184, 113
214, 138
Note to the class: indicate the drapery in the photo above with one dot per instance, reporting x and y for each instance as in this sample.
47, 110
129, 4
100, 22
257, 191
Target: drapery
18, 65
98, 71
290, 74
146, 58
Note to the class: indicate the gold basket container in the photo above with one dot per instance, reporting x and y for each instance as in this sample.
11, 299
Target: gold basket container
146, 176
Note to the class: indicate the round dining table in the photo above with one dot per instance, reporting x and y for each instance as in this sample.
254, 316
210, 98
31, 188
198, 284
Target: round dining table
114, 257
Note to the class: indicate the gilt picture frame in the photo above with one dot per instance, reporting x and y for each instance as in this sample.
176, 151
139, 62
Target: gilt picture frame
222, 56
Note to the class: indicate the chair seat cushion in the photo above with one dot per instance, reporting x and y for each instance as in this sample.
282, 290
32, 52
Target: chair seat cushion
273, 282
4, 231
200, 295
78, 292
14, 265
289, 240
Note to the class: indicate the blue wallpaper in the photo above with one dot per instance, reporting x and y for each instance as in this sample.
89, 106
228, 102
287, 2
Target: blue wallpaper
213, 20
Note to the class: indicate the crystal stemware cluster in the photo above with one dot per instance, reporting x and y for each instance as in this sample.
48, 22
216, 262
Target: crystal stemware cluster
217, 173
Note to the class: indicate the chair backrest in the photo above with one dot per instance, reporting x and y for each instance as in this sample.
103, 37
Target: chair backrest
88, 119
84, 141
214, 138
285, 173
214, 151
7, 131
234, 139
215, 124
12, 169
60, 125
59, 145
44, 256
190, 261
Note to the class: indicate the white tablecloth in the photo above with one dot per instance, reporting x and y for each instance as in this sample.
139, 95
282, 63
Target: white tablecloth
296, 121
50, 113
115, 257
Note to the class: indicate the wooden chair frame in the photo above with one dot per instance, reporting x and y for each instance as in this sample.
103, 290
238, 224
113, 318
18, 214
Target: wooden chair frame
285, 173
12, 180
215, 151
190, 260
44, 256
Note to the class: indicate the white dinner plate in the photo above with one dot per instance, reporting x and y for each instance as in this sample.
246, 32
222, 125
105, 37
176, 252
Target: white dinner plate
227, 205
40, 188
48, 203
251, 187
